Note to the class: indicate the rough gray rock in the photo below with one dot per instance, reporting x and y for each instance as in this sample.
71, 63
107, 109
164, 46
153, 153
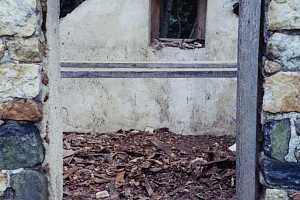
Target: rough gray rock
21, 110
275, 194
25, 50
4, 184
102, 195
8, 194
272, 67
277, 136
284, 14
18, 17
29, 185
282, 93
20, 146
19, 81
2, 48
277, 174
285, 49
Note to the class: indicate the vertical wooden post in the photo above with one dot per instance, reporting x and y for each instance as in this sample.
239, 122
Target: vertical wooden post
201, 19
247, 115
155, 19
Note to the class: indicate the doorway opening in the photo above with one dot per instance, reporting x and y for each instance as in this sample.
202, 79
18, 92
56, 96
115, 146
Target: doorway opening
113, 93
151, 164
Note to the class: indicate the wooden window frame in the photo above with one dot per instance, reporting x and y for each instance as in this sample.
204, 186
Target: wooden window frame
155, 20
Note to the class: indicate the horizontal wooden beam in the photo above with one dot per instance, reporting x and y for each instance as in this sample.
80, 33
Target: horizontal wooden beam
214, 65
148, 74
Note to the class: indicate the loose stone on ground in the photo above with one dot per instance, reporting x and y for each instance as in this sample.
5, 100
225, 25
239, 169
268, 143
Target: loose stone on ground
102, 195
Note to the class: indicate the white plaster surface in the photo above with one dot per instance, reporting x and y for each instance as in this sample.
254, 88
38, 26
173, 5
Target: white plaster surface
51, 123
119, 31
186, 106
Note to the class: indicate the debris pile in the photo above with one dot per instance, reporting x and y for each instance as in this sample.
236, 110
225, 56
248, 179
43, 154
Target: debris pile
160, 43
142, 165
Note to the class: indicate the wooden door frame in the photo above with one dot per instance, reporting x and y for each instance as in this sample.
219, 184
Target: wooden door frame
247, 94
247, 99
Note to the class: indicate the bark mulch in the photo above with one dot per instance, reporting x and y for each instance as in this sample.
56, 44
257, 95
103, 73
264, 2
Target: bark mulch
139, 165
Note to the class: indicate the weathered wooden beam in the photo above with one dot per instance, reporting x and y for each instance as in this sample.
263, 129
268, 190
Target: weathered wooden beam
154, 19
148, 65
201, 19
247, 115
148, 74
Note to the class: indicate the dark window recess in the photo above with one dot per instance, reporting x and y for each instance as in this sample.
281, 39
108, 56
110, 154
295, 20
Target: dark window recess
178, 19
236, 8
178, 23
44, 15
67, 6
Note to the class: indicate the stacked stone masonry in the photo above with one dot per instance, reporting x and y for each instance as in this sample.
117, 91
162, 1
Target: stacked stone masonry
280, 162
22, 54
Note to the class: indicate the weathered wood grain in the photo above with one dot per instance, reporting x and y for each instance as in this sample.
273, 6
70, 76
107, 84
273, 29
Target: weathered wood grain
147, 65
201, 19
247, 115
148, 74
155, 19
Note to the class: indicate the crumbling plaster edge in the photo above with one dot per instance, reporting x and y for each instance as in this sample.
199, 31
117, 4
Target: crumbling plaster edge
51, 124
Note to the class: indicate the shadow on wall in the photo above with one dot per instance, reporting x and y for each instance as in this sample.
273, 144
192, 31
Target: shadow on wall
67, 6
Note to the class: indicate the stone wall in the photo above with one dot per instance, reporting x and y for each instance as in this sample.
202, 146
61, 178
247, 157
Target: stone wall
23, 91
281, 102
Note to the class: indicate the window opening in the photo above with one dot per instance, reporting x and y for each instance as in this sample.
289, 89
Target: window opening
67, 6
178, 23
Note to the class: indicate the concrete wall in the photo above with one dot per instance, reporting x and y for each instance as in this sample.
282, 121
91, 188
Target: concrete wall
186, 106
118, 31
52, 122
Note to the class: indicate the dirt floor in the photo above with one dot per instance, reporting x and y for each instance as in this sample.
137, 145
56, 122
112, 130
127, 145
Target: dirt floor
138, 165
